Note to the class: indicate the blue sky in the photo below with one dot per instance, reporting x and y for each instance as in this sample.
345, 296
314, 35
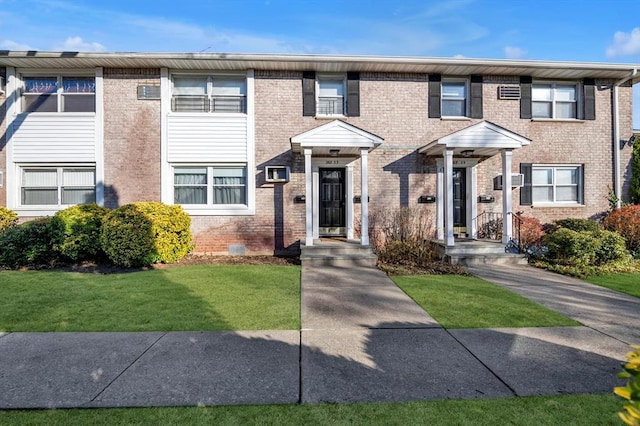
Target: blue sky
588, 30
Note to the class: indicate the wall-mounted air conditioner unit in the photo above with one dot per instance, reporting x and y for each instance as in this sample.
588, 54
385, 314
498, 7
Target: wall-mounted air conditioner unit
276, 174
517, 180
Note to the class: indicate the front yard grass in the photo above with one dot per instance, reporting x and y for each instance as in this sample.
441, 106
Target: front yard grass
559, 410
468, 302
624, 283
186, 298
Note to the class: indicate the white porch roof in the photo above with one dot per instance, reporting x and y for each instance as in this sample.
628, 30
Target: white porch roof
484, 139
337, 134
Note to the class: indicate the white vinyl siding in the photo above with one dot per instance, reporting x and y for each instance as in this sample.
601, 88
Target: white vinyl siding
57, 186
208, 138
556, 184
54, 138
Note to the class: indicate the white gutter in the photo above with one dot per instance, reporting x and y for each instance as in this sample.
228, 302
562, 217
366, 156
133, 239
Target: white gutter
617, 182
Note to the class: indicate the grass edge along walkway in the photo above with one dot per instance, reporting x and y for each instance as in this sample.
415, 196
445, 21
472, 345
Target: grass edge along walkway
184, 298
540, 411
457, 301
628, 283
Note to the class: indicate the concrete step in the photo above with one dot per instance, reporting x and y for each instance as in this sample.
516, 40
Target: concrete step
470, 259
368, 260
337, 253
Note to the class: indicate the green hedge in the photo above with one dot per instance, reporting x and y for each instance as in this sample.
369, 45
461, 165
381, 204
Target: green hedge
30, 244
144, 233
585, 248
81, 227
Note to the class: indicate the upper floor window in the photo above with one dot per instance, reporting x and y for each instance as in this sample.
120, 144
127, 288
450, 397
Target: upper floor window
454, 98
59, 94
331, 96
209, 94
57, 186
554, 100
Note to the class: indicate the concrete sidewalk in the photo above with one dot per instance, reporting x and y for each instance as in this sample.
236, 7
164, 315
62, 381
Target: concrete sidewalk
362, 339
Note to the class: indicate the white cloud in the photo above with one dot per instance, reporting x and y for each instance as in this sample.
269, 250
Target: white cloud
513, 52
625, 44
459, 56
12, 45
77, 44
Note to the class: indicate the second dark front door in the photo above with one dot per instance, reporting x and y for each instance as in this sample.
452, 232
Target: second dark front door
460, 201
332, 202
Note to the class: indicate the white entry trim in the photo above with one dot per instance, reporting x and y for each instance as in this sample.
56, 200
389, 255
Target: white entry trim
471, 197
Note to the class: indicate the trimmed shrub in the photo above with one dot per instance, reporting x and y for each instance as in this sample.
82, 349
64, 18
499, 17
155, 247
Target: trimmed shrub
8, 218
81, 227
574, 248
531, 233
578, 224
626, 222
144, 233
30, 244
634, 191
612, 247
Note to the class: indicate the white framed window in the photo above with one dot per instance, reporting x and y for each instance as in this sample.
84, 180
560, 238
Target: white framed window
454, 98
58, 93
557, 184
210, 185
217, 93
57, 186
554, 100
331, 98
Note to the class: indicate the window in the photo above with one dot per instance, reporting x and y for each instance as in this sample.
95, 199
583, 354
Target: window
331, 99
57, 186
209, 94
556, 184
454, 98
554, 100
210, 185
59, 94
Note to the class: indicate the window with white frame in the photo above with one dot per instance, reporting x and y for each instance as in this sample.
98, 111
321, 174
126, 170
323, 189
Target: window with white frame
556, 184
57, 186
331, 95
454, 98
223, 93
58, 93
554, 100
206, 185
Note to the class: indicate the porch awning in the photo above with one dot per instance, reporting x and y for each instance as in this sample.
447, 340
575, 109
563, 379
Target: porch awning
483, 139
335, 135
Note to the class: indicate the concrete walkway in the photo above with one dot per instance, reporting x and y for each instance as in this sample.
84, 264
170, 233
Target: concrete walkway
362, 339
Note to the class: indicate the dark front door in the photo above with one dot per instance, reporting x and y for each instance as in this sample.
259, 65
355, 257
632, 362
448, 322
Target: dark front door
460, 201
332, 202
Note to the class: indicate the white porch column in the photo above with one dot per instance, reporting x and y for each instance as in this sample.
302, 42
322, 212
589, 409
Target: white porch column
308, 197
364, 197
349, 203
440, 208
448, 197
507, 220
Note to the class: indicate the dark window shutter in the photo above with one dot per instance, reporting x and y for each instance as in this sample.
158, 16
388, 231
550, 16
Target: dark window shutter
309, 93
525, 96
589, 99
353, 94
435, 89
476, 96
526, 192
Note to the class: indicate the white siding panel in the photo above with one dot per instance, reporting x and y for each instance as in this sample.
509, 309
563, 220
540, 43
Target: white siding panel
208, 138
54, 138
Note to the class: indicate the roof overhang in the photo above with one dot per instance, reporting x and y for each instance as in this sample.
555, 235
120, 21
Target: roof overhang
483, 139
336, 138
323, 63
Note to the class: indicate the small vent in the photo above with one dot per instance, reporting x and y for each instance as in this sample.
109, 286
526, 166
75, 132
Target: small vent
509, 92
148, 92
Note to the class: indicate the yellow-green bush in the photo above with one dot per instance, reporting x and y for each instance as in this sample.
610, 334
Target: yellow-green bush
585, 248
146, 232
631, 392
81, 227
8, 218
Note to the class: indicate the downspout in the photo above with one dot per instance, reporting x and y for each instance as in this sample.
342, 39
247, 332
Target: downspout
616, 138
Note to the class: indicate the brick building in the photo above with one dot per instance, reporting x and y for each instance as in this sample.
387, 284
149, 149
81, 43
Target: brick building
267, 151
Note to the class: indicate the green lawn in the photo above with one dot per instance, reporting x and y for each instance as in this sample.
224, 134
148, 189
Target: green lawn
625, 283
468, 302
590, 410
207, 297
